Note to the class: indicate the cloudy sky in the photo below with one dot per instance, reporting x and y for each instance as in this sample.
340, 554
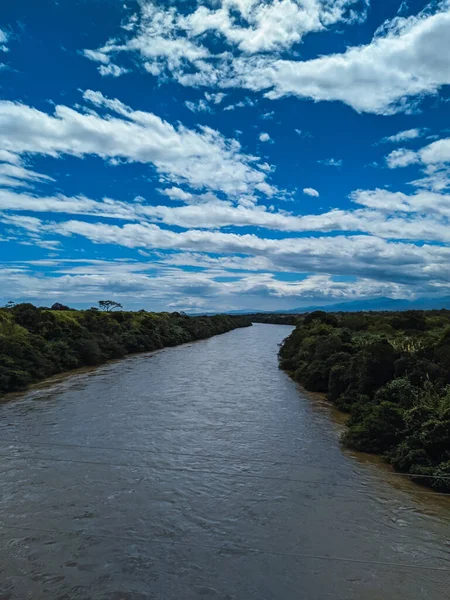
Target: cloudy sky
224, 154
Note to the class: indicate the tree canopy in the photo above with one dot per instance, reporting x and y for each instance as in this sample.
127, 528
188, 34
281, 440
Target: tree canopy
391, 372
37, 342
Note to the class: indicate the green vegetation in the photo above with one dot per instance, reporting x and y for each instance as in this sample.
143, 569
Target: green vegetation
273, 318
36, 343
391, 372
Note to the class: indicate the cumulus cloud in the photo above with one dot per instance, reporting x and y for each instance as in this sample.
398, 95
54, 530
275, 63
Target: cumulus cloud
271, 25
434, 177
311, 192
401, 158
264, 137
435, 154
405, 60
172, 39
203, 158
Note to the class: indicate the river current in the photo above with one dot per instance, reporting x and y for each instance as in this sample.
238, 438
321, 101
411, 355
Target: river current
204, 472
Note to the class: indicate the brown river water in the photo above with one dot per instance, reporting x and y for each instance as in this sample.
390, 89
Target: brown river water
204, 472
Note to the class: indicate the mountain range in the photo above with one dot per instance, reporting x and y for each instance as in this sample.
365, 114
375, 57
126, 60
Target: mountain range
375, 304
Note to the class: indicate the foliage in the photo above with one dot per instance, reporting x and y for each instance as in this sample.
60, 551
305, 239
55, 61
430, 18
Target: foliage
273, 318
36, 343
391, 372
109, 305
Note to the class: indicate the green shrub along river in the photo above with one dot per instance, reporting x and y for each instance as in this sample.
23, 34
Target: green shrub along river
391, 372
36, 343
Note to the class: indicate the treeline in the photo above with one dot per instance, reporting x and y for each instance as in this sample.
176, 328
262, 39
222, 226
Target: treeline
274, 318
391, 372
36, 343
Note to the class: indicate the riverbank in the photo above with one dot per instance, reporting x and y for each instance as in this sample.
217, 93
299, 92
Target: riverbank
390, 372
38, 343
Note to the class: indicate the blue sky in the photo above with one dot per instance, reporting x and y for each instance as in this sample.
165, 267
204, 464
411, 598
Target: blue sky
224, 154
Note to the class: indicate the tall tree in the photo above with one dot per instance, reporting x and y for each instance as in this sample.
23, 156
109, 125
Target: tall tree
109, 305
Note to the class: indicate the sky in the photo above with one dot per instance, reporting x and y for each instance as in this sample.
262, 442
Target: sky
217, 155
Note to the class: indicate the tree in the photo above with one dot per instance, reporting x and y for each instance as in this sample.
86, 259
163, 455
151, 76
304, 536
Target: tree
109, 305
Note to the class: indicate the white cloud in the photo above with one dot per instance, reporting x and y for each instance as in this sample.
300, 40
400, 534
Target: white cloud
9, 157
203, 158
331, 162
175, 193
422, 216
425, 203
163, 34
391, 215
435, 178
405, 60
273, 25
112, 70
215, 98
264, 137
435, 154
199, 106
13, 175
4, 37
358, 255
135, 283
207, 103
97, 56
402, 136
246, 102
311, 192
401, 158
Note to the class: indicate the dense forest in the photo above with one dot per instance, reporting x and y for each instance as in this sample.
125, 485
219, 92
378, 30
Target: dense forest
273, 318
38, 342
391, 372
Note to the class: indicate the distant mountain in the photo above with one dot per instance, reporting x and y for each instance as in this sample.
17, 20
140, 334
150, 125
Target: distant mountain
375, 304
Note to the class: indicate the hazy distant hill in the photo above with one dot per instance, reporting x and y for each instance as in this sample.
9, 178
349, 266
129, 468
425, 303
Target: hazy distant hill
375, 304
380, 304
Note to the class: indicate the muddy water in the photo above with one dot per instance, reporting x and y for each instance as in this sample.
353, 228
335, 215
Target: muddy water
203, 472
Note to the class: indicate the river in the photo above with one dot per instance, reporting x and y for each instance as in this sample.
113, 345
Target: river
203, 472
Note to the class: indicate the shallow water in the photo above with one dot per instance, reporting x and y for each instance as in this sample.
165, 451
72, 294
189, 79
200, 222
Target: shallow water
202, 471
